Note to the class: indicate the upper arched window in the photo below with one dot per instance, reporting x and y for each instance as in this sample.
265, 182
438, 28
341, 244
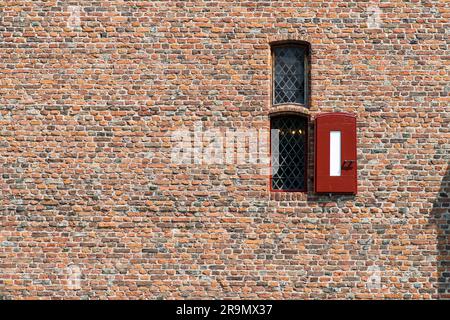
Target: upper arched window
290, 70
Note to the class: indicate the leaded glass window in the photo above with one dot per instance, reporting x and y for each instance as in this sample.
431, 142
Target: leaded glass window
289, 74
289, 152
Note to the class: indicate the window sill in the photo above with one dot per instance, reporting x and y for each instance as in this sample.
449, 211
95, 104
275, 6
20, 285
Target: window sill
287, 108
288, 196
288, 191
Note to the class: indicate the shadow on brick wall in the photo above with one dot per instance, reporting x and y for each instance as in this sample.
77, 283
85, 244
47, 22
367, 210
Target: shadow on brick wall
441, 218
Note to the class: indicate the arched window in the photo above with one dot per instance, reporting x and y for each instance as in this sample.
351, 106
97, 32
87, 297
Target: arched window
288, 152
290, 74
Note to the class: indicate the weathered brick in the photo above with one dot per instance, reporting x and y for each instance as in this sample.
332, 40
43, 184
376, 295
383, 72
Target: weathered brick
87, 108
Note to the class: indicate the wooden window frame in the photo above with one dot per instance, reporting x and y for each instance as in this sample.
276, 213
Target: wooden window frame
301, 110
305, 182
306, 75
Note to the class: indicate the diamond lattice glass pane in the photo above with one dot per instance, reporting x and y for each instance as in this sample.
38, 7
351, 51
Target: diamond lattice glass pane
289, 156
289, 84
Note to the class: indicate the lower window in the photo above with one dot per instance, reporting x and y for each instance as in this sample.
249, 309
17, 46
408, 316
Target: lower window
288, 152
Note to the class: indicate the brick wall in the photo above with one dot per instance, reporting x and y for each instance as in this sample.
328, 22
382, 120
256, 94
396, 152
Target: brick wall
91, 205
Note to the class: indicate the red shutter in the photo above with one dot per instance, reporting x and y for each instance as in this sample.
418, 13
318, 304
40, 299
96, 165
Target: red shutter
335, 174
